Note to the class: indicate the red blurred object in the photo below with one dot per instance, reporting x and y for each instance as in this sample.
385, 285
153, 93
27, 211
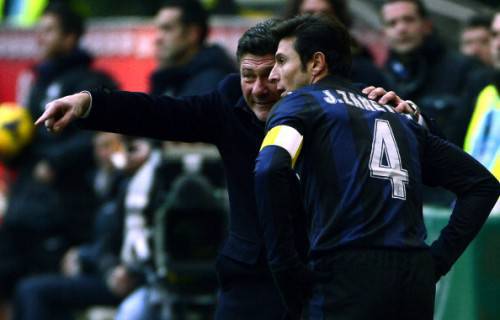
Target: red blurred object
124, 50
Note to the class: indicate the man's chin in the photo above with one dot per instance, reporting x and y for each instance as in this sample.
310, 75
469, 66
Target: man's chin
263, 107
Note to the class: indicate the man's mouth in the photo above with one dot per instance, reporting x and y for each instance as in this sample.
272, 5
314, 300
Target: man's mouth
264, 104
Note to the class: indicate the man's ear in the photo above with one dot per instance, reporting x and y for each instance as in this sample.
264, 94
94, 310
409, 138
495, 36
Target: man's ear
193, 33
427, 26
318, 64
70, 41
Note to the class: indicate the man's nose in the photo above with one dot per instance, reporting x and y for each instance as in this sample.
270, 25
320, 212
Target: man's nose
260, 86
273, 75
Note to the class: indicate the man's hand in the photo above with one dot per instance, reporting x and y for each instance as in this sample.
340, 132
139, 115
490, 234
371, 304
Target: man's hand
120, 282
43, 172
70, 264
61, 112
391, 98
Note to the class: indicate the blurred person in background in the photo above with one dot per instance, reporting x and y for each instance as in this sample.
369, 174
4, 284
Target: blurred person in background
232, 118
114, 264
441, 81
363, 69
475, 38
187, 65
482, 140
79, 283
51, 203
421, 67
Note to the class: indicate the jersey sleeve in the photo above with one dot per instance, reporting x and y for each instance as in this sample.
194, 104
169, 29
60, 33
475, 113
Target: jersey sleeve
273, 189
477, 191
294, 110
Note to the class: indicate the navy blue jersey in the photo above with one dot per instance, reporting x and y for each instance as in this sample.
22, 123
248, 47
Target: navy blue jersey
362, 168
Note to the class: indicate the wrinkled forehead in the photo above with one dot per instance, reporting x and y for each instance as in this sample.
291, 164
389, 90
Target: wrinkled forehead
251, 62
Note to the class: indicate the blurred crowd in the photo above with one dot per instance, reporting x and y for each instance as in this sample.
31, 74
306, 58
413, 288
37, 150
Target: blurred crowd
103, 219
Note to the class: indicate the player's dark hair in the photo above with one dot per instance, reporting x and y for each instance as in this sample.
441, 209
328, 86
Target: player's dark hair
319, 33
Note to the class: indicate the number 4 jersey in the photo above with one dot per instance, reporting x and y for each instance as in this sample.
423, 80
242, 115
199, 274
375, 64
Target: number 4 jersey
361, 168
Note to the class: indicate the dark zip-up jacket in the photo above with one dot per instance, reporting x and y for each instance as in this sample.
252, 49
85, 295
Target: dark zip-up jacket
222, 118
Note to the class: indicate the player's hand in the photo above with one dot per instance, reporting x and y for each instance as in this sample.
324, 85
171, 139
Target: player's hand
391, 98
61, 112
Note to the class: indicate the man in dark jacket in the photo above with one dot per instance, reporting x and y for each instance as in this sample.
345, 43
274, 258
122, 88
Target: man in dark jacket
187, 65
442, 82
230, 117
50, 202
113, 265
423, 69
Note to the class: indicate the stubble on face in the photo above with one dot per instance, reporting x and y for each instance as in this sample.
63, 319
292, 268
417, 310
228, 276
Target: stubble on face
289, 72
404, 28
259, 92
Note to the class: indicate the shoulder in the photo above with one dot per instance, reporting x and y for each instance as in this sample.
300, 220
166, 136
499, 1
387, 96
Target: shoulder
229, 89
88, 78
295, 108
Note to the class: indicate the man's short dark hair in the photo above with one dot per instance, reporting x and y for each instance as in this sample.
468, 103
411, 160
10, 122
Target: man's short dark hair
340, 9
421, 8
478, 21
319, 33
258, 40
70, 21
192, 14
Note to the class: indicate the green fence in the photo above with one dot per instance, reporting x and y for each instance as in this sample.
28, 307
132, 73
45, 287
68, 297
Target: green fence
471, 290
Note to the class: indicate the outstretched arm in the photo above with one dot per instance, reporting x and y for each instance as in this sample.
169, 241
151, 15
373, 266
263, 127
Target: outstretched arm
274, 202
477, 191
188, 119
63, 111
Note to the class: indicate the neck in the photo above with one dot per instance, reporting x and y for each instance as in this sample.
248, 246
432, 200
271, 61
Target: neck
181, 59
316, 78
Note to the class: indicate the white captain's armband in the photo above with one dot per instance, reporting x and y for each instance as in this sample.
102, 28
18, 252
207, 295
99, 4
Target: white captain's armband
285, 137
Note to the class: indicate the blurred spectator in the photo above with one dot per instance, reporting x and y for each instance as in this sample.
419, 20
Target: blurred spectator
363, 68
475, 38
439, 80
483, 134
425, 71
80, 283
186, 64
188, 229
51, 203
114, 264
495, 41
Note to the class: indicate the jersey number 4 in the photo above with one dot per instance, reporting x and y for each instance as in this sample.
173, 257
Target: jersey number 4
385, 161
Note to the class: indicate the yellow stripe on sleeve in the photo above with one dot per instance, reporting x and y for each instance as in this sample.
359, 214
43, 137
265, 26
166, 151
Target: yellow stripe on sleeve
285, 137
